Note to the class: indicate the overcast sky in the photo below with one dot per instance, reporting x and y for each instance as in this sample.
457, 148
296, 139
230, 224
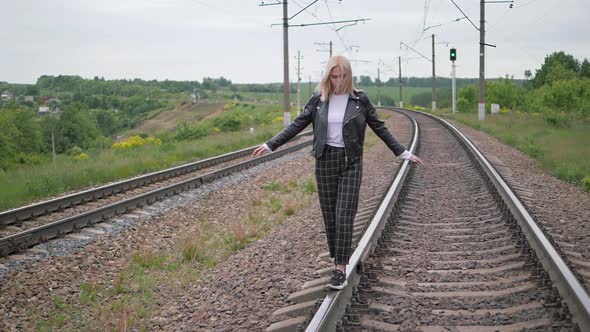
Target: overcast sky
192, 39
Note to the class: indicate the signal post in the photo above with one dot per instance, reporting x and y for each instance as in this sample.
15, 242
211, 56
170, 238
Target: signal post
453, 56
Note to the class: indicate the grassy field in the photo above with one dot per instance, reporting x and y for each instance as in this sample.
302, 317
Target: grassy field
393, 92
562, 150
277, 97
25, 184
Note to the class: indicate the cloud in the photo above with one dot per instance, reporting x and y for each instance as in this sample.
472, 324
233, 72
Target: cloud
191, 39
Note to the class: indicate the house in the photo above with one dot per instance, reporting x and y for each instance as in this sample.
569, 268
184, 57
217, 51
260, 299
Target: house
48, 99
29, 98
6, 95
48, 110
43, 110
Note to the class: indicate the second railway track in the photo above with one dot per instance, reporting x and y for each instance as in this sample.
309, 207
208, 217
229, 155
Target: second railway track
24, 227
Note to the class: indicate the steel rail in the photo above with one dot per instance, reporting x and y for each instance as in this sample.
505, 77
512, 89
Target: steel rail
25, 239
334, 304
567, 284
38, 209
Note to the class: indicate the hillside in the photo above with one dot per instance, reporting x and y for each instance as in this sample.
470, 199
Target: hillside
185, 112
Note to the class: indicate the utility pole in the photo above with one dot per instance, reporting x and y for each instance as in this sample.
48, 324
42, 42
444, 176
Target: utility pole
52, 143
481, 114
401, 99
433, 78
286, 86
378, 85
298, 83
482, 44
453, 56
330, 49
454, 88
310, 86
285, 24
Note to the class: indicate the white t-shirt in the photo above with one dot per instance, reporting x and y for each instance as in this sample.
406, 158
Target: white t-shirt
336, 108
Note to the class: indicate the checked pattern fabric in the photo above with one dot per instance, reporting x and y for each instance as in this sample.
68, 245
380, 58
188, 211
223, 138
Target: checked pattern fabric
338, 190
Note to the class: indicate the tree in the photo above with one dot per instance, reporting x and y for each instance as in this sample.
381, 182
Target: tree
505, 93
365, 80
585, 69
106, 122
567, 62
558, 72
29, 139
77, 128
8, 136
527, 74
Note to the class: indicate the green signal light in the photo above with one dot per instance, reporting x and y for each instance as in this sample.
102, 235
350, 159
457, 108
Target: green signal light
453, 54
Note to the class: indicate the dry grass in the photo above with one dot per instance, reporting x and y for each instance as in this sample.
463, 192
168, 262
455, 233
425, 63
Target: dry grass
183, 113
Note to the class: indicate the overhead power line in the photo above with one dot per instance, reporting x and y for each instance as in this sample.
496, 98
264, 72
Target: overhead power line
422, 55
467, 17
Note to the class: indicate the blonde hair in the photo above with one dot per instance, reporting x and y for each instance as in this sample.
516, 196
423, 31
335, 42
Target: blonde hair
325, 85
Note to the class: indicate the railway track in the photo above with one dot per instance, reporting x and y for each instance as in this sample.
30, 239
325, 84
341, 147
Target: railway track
450, 249
24, 227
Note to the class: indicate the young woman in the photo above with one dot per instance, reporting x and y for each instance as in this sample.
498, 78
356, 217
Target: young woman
340, 115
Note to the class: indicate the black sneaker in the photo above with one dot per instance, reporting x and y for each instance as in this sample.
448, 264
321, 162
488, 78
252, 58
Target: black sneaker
338, 280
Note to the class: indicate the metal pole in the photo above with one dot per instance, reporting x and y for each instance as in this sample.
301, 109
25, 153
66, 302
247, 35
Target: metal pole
52, 144
330, 49
286, 86
454, 88
433, 78
401, 99
378, 86
298, 82
482, 81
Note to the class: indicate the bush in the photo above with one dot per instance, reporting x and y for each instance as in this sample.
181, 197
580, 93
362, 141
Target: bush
31, 158
586, 183
81, 156
463, 105
555, 119
189, 132
135, 141
227, 123
505, 93
74, 151
570, 96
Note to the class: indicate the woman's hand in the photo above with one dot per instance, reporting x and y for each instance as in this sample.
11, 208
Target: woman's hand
259, 151
407, 155
416, 159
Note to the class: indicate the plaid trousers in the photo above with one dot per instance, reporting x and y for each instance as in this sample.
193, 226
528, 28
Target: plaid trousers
339, 184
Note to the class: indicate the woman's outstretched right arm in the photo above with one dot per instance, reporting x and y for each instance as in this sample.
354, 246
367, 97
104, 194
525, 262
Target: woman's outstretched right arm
300, 123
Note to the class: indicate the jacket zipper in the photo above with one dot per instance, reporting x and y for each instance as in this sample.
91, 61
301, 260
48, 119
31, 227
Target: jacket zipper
352, 117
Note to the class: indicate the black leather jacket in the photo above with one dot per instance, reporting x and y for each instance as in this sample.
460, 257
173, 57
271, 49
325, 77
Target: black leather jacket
359, 112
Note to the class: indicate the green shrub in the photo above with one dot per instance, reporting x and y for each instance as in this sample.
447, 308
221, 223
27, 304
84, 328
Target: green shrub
556, 120
189, 132
227, 123
310, 186
88, 292
147, 260
586, 183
